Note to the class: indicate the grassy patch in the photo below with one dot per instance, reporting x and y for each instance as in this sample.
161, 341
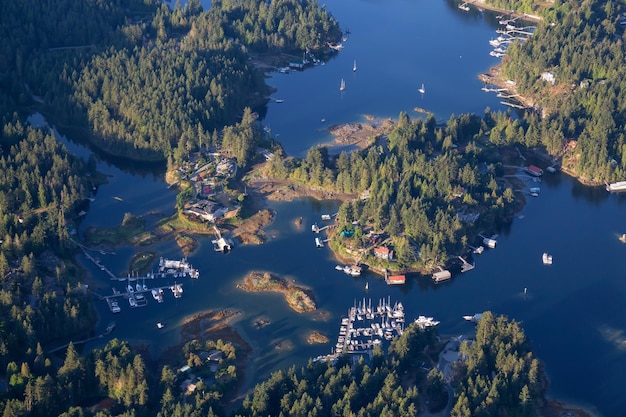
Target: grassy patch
141, 261
131, 230
179, 221
187, 244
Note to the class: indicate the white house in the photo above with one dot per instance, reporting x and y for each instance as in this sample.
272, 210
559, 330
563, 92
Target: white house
549, 77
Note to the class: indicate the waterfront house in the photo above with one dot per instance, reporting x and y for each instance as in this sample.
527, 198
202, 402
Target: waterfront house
383, 252
205, 209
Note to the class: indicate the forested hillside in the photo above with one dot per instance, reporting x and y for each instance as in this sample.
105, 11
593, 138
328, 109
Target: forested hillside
141, 78
582, 44
418, 190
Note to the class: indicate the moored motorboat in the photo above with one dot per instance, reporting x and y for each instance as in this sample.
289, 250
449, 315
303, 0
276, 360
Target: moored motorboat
547, 259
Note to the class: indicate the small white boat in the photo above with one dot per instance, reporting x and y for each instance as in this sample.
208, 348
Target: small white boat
342, 85
421, 89
547, 259
354, 66
475, 318
160, 325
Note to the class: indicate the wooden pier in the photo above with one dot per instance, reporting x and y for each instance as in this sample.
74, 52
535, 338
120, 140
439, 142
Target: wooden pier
466, 265
316, 229
517, 106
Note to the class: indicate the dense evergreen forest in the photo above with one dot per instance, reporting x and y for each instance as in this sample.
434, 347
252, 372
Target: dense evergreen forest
142, 79
582, 44
419, 184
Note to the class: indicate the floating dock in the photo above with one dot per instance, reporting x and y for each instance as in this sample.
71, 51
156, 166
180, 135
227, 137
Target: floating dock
466, 265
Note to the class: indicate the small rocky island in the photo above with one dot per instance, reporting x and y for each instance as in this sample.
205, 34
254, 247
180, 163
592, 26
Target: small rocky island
299, 298
316, 337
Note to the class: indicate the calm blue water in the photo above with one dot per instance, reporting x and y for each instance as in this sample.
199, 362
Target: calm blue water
573, 311
423, 42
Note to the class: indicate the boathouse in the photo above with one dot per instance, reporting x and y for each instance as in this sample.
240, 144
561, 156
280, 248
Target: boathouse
395, 279
533, 170
442, 275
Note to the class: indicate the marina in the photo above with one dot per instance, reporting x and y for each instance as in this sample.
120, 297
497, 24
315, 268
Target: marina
366, 326
138, 297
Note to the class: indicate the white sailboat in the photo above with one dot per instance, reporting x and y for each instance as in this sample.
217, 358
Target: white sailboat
342, 86
354, 66
421, 89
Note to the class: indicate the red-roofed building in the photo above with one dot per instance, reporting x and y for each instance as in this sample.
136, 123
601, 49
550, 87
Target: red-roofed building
383, 252
533, 170
395, 279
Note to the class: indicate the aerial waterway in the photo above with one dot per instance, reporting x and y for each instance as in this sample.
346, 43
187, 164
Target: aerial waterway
573, 312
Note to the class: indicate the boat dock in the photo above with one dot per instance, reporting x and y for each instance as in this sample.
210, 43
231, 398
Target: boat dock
138, 297
316, 229
490, 242
221, 244
367, 326
466, 265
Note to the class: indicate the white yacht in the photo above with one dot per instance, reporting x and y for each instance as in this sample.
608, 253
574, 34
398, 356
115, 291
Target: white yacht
547, 259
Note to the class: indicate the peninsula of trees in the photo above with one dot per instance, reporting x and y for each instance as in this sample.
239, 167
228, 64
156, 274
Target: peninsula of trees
580, 117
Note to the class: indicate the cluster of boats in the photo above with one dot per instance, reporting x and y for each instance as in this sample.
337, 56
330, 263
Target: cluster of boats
367, 326
136, 295
507, 35
353, 270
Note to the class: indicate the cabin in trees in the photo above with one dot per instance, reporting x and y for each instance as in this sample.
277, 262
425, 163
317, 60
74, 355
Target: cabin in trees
383, 252
548, 77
